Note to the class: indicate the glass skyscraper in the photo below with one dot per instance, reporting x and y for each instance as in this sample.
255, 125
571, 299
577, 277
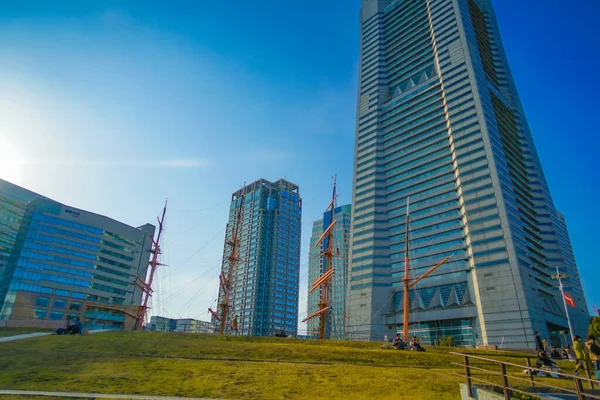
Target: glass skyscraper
58, 262
265, 281
439, 120
336, 317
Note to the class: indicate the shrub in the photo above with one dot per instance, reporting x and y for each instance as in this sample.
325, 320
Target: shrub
447, 341
595, 327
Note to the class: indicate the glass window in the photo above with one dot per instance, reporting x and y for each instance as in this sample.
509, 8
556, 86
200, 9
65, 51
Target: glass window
40, 314
75, 306
59, 303
42, 301
77, 295
71, 316
56, 315
60, 292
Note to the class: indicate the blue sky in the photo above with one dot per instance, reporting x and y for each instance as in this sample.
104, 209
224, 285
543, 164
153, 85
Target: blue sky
114, 106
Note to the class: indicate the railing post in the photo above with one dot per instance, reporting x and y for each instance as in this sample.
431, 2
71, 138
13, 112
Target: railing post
468, 376
579, 388
530, 372
588, 370
504, 378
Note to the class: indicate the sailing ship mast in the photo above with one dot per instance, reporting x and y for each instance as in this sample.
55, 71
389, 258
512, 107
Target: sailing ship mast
324, 280
146, 285
407, 281
232, 260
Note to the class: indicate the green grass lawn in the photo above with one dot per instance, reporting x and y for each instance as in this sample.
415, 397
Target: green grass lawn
4, 331
230, 367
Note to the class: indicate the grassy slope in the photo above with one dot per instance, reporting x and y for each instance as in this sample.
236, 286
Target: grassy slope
228, 367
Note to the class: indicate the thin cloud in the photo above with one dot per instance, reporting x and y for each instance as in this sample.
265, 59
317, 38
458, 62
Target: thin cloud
174, 163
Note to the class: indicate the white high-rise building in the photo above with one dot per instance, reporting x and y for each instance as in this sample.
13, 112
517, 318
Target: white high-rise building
440, 120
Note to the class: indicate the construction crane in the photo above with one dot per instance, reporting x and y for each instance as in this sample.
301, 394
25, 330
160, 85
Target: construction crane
324, 281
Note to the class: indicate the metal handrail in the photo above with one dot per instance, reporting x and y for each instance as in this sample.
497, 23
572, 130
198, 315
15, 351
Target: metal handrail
479, 369
507, 389
501, 387
591, 380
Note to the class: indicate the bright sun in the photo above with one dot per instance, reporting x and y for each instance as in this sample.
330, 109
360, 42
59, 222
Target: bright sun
11, 163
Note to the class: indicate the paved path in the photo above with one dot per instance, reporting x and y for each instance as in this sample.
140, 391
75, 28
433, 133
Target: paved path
93, 395
37, 334
24, 336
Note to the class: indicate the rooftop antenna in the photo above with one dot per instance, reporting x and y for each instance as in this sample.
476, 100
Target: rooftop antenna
146, 286
324, 280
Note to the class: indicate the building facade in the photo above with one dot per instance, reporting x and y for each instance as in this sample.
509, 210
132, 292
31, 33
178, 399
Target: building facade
265, 281
336, 317
161, 324
439, 120
183, 325
58, 262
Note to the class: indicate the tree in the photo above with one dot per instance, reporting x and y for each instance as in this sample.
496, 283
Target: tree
595, 327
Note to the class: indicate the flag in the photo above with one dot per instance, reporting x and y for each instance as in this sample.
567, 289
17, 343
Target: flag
569, 300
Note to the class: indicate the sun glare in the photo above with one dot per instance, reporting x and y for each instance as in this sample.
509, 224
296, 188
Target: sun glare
11, 163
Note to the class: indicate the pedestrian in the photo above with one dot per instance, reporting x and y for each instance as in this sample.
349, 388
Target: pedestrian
593, 348
581, 355
538, 342
234, 325
545, 345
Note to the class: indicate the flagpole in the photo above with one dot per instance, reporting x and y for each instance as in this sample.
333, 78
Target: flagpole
562, 293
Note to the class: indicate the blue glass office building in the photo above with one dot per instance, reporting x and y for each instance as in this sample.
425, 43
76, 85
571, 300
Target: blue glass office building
336, 317
439, 119
59, 262
265, 281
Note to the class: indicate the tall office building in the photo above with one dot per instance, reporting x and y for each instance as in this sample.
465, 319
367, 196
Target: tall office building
336, 317
439, 120
58, 262
265, 281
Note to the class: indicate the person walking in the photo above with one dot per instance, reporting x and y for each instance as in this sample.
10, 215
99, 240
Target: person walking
581, 354
234, 325
593, 348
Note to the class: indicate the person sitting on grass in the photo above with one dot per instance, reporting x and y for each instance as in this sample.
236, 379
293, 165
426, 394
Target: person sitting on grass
386, 343
415, 345
568, 353
544, 361
73, 328
555, 354
399, 343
